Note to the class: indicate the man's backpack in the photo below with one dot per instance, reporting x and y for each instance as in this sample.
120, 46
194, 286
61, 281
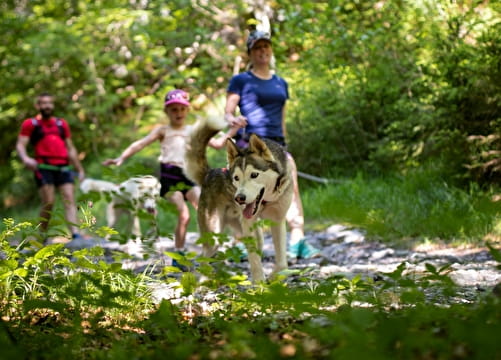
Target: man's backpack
38, 133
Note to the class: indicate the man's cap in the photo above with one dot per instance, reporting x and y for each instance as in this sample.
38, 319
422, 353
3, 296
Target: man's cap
177, 96
255, 36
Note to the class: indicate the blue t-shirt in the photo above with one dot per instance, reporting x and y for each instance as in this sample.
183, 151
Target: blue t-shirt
261, 102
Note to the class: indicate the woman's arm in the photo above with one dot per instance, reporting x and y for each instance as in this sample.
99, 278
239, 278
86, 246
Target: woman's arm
284, 127
232, 101
220, 141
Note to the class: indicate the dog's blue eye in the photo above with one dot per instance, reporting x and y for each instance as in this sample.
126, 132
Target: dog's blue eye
254, 175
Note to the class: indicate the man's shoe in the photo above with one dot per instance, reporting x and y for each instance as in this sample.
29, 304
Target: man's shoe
303, 250
175, 263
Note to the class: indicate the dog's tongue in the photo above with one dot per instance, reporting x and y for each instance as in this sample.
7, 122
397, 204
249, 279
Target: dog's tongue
249, 210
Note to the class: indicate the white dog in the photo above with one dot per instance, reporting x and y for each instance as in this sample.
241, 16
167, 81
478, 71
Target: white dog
136, 193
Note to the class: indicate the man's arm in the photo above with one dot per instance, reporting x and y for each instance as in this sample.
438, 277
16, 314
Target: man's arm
73, 157
21, 145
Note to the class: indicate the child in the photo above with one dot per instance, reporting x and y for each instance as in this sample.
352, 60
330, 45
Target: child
173, 138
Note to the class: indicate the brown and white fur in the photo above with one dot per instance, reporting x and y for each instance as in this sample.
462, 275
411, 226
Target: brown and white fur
140, 192
256, 185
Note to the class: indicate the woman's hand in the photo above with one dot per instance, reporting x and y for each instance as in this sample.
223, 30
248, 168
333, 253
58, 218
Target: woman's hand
236, 121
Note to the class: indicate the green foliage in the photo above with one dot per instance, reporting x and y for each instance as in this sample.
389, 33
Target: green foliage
109, 65
394, 85
374, 85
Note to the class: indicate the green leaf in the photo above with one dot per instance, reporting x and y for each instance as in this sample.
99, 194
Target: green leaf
21, 272
48, 251
8, 265
104, 231
495, 253
432, 269
174, 255
188, 282
170, 269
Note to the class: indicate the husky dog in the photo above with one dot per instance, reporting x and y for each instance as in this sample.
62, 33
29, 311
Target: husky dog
140, 192
256, 185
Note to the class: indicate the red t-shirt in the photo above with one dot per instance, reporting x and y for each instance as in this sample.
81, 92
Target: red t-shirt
51, 149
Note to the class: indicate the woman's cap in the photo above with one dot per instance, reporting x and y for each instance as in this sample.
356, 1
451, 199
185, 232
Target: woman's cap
255, 36
177, 96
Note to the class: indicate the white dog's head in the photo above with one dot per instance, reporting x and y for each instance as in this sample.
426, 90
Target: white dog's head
143, 191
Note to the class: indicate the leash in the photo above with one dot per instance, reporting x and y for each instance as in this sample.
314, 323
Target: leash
304, 175
315, 178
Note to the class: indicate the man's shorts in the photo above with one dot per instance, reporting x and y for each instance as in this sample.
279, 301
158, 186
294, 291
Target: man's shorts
53, 177
172, 178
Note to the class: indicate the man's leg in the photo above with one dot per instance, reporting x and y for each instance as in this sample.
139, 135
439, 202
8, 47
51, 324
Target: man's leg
47, 197
70, 209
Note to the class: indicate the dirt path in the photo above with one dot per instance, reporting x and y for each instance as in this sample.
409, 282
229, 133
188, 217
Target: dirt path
347, 252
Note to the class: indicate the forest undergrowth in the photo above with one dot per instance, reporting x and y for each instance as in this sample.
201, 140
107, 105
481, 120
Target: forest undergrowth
59, 303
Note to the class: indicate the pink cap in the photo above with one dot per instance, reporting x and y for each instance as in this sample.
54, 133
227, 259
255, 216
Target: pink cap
177, 96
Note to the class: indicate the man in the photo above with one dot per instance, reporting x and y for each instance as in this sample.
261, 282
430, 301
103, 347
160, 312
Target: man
54, 152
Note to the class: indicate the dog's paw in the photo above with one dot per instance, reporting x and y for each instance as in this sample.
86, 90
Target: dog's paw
209, 250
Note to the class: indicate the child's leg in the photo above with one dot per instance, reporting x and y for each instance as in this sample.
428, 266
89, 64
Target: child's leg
182, 221
193, 195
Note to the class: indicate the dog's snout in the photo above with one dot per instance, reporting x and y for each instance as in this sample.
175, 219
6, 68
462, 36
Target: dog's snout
240, 198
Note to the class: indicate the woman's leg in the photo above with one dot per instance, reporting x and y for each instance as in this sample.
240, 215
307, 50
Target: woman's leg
298, 247
295, 215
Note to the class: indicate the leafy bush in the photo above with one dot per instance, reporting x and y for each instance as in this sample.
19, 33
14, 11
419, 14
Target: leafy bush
394, 91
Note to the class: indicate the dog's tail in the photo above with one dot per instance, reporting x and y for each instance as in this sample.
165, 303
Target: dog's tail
196, 165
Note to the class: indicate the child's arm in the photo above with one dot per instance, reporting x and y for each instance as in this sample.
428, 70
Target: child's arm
135, 147
220, 141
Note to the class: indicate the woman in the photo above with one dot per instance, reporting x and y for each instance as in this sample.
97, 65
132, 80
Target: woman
260, 96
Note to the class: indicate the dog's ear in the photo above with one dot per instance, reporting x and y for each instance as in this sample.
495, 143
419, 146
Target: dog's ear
232, 151
258, 146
